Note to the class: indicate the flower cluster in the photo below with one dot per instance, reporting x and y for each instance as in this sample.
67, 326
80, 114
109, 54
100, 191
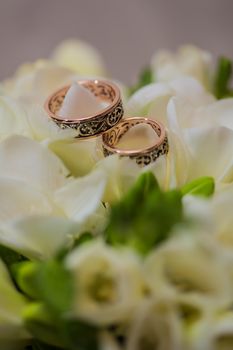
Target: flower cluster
97, 253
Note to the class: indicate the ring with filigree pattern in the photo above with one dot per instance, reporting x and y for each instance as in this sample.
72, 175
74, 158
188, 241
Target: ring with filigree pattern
142, 156
92, 125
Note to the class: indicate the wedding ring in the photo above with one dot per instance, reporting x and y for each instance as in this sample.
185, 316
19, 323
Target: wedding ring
142, 156
92, 125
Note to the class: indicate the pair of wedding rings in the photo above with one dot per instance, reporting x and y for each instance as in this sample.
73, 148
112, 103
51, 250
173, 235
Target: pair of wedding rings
108, 123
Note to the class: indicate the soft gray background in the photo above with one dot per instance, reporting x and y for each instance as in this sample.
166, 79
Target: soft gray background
125, 31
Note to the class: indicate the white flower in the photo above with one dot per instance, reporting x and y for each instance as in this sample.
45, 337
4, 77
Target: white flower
213, 113
12, 304
152, 100
80, 57
108, 283
221, 336
155, 326
198, 151
107, 342
188, 61
214, 331
192, 268
120, 174
13, 119
35, 82
40, 208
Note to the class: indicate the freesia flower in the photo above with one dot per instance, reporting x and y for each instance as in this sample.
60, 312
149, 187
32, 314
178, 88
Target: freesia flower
120, 174
187, 61
221, 206
156, 325
109, 283
198, 151
42, 208
34, 82
213, 331
220, 335
80, 57
107, 342
190, 268
152, 100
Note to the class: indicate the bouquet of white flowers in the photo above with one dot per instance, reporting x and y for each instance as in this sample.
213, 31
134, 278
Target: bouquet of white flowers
97, 252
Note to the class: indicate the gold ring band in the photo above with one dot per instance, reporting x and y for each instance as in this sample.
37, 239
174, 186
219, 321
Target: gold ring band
141, 156
92, 125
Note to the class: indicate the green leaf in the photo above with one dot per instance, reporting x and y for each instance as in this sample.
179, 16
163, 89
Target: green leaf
83, 238
48, 282
42, 326
145, 78
38, 345
80, 335
223, 78
9, 256
24, 274
145, 216
203, 186
59, 332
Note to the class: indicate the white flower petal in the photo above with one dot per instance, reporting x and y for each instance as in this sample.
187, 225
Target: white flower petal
35, 85
79, 57
212, 153
81, 197
179, 155
38, 237
48, 79
13, 118
26, 160
155, 326
191, 266
160, 169
218, 113
108, 342
109, 283
188, 61
152, 100
222, 217
222, 335
78, 156
198, 209
142, 100
19, 199
192, 91
42, 128
120, 174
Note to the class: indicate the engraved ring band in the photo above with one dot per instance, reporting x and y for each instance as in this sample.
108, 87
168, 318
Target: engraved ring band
142, 156
92, 125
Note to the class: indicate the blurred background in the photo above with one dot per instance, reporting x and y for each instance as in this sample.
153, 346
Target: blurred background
127, 32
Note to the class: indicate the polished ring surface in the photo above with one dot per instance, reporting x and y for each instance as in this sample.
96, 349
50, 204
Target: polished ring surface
141, 156
92, 125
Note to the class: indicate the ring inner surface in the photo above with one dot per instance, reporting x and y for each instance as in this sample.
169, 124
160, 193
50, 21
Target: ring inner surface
113, 136
102, 91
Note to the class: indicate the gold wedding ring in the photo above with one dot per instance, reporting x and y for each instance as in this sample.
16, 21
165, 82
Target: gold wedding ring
92, 125
143, 156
